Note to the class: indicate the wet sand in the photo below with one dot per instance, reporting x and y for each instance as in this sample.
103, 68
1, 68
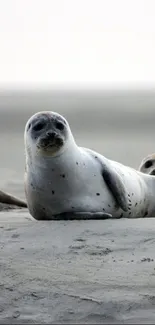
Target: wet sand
76, 272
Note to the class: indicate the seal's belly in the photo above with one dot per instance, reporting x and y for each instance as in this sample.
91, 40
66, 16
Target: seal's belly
82, 190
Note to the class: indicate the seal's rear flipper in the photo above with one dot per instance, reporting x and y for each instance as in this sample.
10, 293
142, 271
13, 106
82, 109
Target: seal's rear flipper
9, 199
82, 216
116, 186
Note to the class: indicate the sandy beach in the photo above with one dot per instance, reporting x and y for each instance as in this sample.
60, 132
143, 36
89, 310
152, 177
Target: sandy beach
77, 271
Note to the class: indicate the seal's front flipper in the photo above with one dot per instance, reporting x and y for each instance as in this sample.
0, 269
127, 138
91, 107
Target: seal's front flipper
82, 216
116, 186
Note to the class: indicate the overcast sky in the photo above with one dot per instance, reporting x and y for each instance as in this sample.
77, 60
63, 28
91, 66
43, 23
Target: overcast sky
77, 42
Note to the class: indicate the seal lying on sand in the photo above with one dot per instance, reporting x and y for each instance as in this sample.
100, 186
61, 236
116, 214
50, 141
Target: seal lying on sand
147, 165
11, 200
64, 181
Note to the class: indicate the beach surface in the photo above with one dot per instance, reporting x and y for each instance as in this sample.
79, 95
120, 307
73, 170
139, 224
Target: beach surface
76, 271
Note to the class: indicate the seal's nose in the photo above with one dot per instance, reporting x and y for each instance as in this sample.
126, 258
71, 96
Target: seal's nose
51, 135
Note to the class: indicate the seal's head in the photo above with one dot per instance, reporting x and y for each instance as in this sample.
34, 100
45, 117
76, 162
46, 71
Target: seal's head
147, 165
47, 134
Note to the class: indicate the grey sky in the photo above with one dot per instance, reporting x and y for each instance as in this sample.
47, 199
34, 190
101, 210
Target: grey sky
77, 42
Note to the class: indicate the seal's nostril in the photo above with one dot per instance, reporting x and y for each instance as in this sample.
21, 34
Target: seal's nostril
51, 135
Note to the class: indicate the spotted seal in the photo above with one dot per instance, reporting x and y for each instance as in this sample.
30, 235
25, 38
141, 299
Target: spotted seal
65, 181
147, 165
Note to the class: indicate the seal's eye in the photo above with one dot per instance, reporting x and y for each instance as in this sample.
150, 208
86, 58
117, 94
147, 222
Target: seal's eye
39, 126
59, 126
148, 164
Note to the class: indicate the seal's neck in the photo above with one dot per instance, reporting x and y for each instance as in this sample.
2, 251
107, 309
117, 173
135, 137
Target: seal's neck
149, 182
41, 159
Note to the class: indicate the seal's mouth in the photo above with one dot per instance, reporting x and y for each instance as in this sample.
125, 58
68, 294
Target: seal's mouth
50, 142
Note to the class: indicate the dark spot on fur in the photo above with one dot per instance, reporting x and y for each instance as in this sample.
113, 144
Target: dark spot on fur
130, 204
132, 194
146, 213
129, 200
109, 205
32, 186
29, 126
97, 194
77, 163
121, 216
43, 209
128, 195
53, 192
73, 207
52, 169
136, 204
129, 213
94, 175
62, 175
103, 209
83, 164
96, 157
